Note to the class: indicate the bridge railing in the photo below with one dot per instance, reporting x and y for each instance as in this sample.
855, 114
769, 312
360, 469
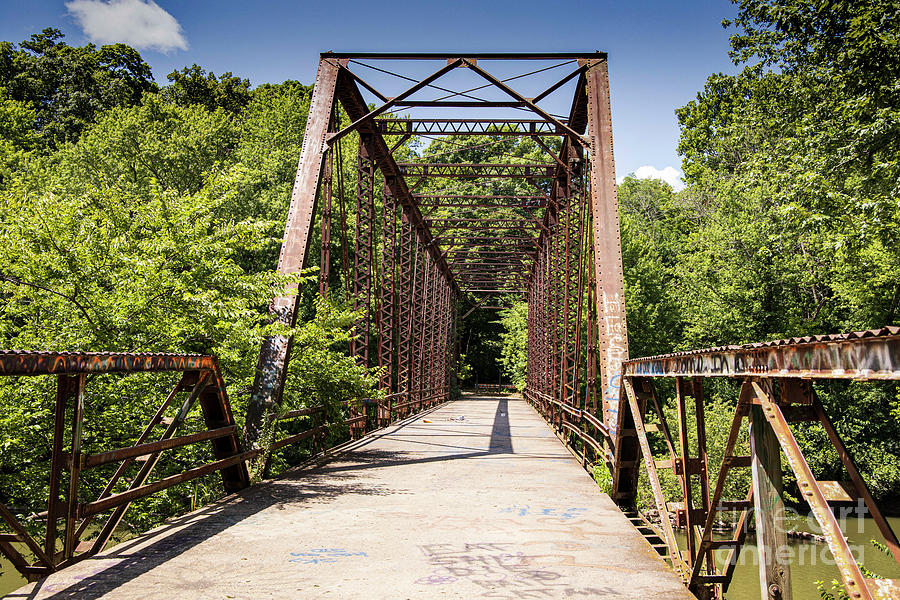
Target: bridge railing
494, 387
200, 383
776, 392
571, 422
69, 519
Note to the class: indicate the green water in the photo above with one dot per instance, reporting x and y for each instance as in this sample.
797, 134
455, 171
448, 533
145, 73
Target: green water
812, 561
10, 580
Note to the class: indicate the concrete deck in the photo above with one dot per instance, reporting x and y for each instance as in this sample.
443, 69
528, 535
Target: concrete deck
492, 506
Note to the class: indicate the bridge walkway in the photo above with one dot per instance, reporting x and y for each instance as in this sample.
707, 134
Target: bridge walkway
476, 498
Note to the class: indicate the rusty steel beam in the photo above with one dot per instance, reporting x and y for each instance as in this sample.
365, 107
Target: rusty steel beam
478, 170
609, 274
487, 252
364, 255
462, 127
386, 313
851, 575
475, 197
480, 224
511, 260
407, 263
491, 271
273, 356
508, 241
325, 244
473, 66
365, 119
525, 56
862, 355
458, 104
433, 202
30, 362
200, 375
352, 101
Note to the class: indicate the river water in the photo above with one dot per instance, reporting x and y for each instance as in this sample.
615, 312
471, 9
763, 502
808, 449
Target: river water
811, 561
10, 580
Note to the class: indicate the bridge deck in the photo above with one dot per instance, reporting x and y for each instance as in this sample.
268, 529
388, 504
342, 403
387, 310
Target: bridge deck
491, 506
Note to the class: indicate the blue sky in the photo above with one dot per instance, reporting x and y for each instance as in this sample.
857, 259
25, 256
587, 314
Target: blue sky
660, 53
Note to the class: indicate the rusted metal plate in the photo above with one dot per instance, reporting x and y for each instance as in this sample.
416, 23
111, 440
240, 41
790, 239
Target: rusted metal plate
872, 354
27, 362
884, 589
838, 491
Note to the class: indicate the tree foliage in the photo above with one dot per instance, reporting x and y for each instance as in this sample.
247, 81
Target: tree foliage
193, 85
68, 87
142, 220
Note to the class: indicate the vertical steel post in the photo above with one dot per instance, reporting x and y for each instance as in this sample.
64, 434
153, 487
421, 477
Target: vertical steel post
771, 536
66, 386
364, 255
74, 467
386, 333
416, 340
405, 308
325, 245
610, 280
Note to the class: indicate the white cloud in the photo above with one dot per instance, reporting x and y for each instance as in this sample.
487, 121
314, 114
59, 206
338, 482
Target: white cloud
139, 23
670, 175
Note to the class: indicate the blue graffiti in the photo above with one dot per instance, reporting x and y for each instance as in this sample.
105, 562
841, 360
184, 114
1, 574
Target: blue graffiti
322, 555
526, 510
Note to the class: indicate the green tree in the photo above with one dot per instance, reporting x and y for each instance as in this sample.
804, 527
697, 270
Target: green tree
809, 130
514, 339
144, 236
792, 201
154, 144
193, 85
18, 135
69, 86
653, 227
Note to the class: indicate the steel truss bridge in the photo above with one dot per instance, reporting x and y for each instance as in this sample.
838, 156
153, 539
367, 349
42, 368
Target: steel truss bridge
423, 241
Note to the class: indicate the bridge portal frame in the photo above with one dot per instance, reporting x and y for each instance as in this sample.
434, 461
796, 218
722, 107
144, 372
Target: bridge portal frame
576, 191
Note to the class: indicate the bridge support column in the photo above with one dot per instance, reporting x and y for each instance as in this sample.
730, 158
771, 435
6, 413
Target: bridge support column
273, 356
771, 536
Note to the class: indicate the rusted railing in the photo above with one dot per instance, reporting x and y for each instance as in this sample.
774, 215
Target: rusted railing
494, 387
776, 391
572, 423
200, 383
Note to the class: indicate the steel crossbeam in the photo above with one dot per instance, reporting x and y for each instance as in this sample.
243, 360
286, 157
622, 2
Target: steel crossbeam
464, 127
477, 171
531, 202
